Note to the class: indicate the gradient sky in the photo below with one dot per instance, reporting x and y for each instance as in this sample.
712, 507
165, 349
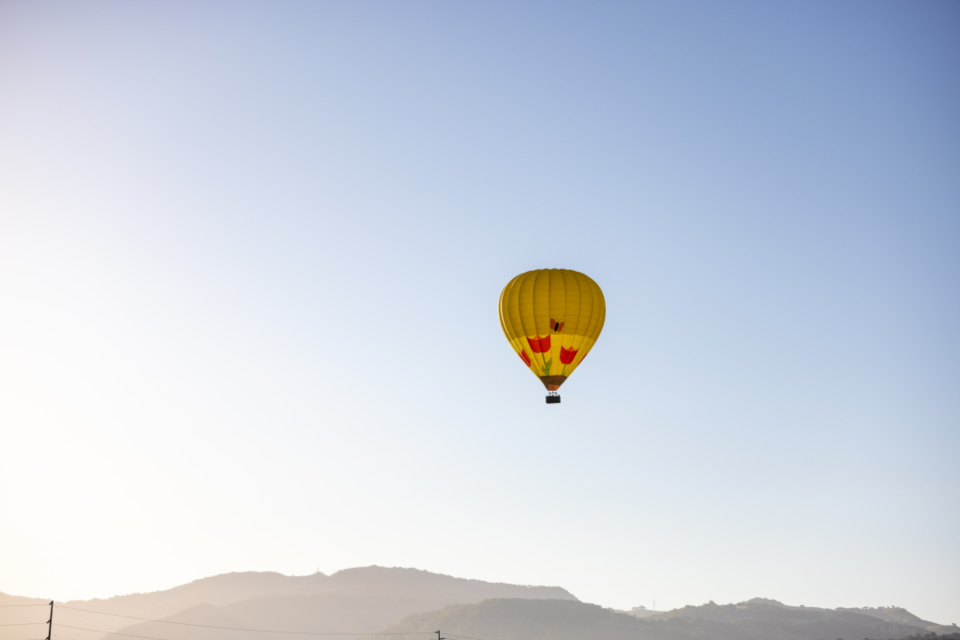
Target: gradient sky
250, 256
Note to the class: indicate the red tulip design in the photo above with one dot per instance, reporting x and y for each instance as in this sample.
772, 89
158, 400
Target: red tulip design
567, 355
539, 345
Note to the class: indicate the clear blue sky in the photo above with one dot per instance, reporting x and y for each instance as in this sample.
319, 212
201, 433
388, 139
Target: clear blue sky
250, 255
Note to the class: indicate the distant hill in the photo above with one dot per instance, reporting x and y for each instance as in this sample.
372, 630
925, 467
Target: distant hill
640, 612
361, 599
202, 614
777, 621
25, 621
573, 620
902, 616
378, 599
530, 620
232, 588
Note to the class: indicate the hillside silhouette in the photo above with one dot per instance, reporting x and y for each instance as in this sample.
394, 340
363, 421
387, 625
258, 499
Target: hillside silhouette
573, 620
363, 582
376, 599
355, 600
901, 615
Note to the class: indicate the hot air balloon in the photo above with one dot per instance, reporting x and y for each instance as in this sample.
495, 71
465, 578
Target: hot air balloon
552, 318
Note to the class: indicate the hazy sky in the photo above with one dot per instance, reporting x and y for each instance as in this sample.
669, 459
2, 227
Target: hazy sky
250, 256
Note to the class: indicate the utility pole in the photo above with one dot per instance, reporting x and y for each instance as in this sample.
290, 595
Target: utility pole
50, 622
438, 636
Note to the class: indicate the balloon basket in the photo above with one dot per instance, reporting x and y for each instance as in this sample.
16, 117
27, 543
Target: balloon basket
553, 398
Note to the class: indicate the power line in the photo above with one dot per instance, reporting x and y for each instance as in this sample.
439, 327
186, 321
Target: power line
39, 604
206, 626
456, 635
61, 636
129, 635
74, 613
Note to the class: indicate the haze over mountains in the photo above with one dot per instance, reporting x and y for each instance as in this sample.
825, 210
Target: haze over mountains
408, 601
571, 620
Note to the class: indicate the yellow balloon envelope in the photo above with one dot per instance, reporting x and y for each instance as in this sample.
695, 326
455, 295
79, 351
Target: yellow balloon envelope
552, 318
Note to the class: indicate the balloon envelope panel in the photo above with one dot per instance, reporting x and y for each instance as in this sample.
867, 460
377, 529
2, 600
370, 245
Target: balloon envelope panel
552, 318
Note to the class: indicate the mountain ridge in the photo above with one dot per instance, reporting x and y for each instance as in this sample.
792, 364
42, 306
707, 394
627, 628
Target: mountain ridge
361, 599
568, 620
367, 600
